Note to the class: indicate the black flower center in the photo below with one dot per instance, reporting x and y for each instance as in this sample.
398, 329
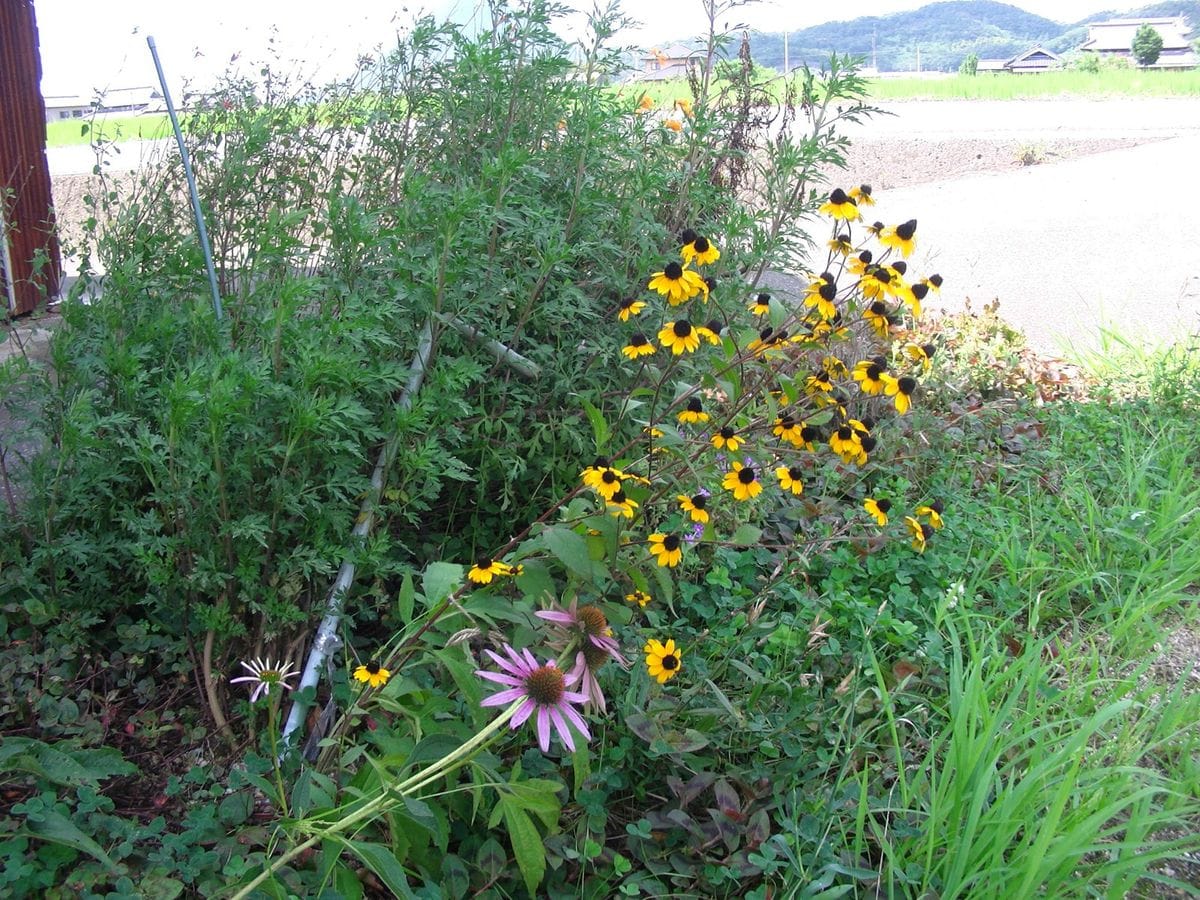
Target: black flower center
828, 291
838, 196
608, 476
763, 299
794, 473
868, 443
372, 668
670, 662
873, 372
727, 432
682, 328
746, 475
765, 333
700, 245
907, 385
907, 230
935, 280
879, 308
808, 434
674, 271
618, 496
920, 290
786, 422
699, 500
929, 350
843, 238
601, 462
900, 266
687, 236
545, 685
864, 189
694, 405
865, 257
638, 339
926, 531
882, 275
483, 561
628, 302
711, 283
936, 506
714, 326
671, 542
883, 505
845, 432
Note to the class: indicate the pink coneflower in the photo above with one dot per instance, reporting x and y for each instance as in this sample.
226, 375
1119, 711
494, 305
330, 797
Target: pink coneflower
265, 675
588, 624
542, 688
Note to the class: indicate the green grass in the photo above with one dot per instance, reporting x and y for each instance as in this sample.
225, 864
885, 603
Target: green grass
1106, 83
73, 132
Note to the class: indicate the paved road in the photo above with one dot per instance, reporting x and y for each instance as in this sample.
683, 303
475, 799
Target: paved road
1109, 240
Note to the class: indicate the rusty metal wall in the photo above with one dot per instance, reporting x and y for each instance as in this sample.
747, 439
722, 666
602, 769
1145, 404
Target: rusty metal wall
24, 174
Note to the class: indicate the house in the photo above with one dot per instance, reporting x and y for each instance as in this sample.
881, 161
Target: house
669, 62
1114, 38
1036, 59
114, 100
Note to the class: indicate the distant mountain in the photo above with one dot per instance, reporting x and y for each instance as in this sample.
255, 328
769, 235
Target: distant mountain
944, 33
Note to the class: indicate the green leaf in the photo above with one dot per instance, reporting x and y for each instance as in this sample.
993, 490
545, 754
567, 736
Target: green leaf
571, 550
746, 535
380, 860
526, 843
538, 796
56, 828
404, 599
439, 580
600, 429
581, 764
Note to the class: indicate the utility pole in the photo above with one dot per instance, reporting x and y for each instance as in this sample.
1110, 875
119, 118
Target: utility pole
874, 52
918, 59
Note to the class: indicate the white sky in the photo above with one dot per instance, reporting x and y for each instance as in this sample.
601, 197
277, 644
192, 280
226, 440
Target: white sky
94, 44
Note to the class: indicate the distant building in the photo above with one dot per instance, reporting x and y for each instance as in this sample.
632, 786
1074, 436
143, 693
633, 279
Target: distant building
1036, 59
1114, 38
669, 62
134, 100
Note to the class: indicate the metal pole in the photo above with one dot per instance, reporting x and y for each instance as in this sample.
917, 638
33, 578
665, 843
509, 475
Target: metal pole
191, 180
10, 288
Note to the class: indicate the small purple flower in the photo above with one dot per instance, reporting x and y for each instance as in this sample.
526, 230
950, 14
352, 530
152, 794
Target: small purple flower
542, 689
695, 534
265, 675
704, 492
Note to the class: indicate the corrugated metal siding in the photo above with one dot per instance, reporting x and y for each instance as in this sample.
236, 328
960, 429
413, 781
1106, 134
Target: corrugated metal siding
24, 175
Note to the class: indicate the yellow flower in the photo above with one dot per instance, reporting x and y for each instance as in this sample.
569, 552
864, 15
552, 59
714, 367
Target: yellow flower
790, 479
666, 548
620, 504
641, 598
694, 506
701, 250
821, 294
933, 512
920, 533
662, 660
862, 195
638, 346
878, 509
879, 317
603, 478
867, 373
693, 413
788, 429
900, 237
840, 244
486, 568
727, 439
760, 305
920, 353
901, 389
742, 482
372, 674
846, 443
840, 206
679, 337
630, 306
677, 283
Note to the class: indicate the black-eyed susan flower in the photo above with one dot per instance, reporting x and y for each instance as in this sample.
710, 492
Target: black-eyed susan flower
630, 306
867, 373
693, 413
788, 429
760, 305
862, 195
663, 661
840, 205
694, 506
679, 337
638, 346
667, 549
846, 442
742, 482
933, 512
641, 598
706, 332
858, 266
841, 244
900, 237
921, 353
819, 383
372, 675
877, 509
934, 282
677, 283
900, 388
727, 439
621, 504
809, 435
875, 228
760, 343
821, 294
920, 532
605, 481
879, 317
265, 675
701, 250
834, 367
486, 568
911, 296
791, 478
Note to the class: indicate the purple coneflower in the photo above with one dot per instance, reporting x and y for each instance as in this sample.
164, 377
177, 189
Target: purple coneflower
588, 624
542, 688
264, 675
